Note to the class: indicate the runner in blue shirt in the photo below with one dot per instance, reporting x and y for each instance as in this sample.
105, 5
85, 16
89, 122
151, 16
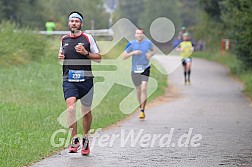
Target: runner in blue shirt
141, 50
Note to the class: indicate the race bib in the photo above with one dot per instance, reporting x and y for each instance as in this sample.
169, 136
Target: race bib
76, 76
139, 69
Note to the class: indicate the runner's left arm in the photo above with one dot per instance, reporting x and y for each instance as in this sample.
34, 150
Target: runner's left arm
151, 51
94, 53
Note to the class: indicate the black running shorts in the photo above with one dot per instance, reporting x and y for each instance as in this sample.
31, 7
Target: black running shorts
81, 90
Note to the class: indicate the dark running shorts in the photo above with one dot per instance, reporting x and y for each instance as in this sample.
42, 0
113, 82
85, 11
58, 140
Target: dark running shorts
137, 78
81, 90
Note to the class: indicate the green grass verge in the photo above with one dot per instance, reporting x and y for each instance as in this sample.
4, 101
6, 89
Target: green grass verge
235, 65
31, 99
19, 45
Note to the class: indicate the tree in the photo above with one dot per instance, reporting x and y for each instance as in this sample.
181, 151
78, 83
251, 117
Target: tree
212, 8
236, 15
58, 10
189, 12
130, 10
22, 12
34, 13
161, 8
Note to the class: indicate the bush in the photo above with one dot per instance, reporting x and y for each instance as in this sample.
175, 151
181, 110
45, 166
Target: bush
237, 17
209, 31
19, 45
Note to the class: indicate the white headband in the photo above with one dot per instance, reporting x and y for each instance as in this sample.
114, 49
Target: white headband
75, 15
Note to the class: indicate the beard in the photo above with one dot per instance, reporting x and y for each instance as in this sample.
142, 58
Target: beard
77, 29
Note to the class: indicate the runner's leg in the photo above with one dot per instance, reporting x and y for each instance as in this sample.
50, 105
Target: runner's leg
143, 95
86, 123
87, 119
138, 93
184, 67
71, 115
189, 70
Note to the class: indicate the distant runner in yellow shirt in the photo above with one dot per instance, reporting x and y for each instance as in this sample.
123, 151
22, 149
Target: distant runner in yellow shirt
50, 26
185, 48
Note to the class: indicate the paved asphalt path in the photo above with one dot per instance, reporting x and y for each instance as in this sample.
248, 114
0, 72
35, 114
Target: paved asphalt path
205, 124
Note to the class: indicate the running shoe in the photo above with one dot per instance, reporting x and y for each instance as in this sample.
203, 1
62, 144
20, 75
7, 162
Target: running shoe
141, 115
85, 147
185, 82
74, 146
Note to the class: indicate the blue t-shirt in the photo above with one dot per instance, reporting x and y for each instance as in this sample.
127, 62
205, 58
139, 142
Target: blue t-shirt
139, 62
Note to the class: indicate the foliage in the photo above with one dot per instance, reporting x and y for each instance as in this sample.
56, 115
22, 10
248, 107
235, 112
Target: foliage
34, 13
209, 31
153, 10
143, 12
212, 8
19, 45
239, 27
233, 19
189, 12
58, 10
22, 12
130, 10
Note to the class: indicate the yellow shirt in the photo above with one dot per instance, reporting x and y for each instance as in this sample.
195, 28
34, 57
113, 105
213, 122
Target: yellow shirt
50, 26
186, 49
